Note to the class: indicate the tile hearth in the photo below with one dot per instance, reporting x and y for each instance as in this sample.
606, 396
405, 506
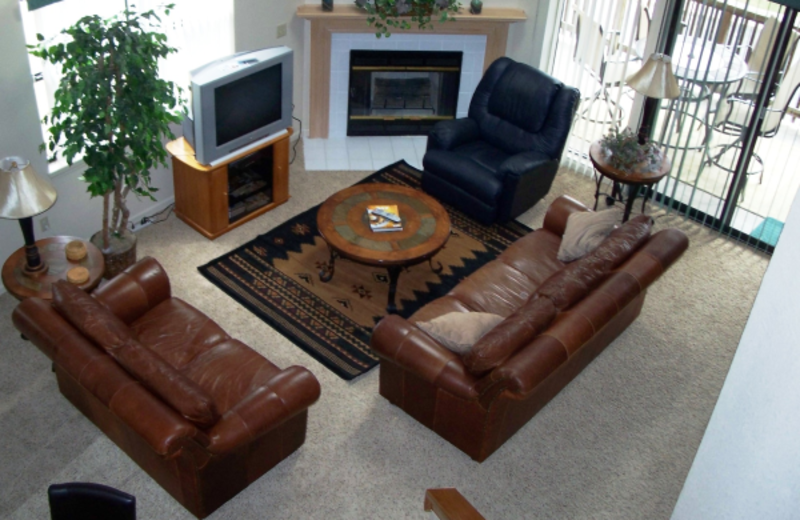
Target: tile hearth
362, 153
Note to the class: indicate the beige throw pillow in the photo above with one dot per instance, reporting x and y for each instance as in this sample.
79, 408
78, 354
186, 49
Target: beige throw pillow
458, 331
585, 231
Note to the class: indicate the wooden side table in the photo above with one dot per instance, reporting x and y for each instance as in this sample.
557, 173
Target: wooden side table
633, 180
52, 252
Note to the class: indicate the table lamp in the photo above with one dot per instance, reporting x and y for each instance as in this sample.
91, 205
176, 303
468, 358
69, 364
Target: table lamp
655, 81
23, 195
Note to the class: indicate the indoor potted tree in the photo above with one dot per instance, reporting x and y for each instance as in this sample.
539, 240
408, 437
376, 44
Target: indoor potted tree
383, 14
113, 110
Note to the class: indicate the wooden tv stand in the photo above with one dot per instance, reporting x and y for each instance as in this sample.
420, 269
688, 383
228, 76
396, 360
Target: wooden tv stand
205, 198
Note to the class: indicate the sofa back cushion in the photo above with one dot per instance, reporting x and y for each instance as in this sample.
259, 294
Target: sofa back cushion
99, 324
572, 283
513, 333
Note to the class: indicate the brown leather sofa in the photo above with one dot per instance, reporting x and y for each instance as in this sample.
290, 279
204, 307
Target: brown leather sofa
478, 412
232, 415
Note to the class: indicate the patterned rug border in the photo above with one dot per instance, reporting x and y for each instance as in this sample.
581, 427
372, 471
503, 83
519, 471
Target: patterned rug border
338, 358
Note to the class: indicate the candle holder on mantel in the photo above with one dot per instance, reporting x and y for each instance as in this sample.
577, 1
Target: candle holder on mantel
327, 5
475, 6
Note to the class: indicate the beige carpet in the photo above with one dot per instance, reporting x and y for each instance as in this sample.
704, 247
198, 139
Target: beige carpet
616, 443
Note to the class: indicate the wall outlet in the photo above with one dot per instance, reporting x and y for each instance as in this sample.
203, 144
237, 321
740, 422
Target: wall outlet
44, 224
281, 32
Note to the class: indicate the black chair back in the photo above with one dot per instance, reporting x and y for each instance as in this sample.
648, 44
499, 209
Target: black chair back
88, 501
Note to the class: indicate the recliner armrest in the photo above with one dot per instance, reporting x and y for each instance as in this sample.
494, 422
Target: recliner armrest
447, 135
404, 344
288, 393
525, 163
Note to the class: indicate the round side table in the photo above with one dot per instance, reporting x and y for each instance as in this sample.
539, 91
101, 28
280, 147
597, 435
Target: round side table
52, 252
634, 180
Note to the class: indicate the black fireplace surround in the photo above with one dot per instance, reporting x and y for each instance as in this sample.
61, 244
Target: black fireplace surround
401, 92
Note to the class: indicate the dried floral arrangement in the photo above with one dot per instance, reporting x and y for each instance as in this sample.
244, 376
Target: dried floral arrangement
623, 152
384, 15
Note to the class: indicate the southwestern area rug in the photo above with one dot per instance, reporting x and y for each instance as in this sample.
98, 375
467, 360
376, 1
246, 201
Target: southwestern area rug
276, 277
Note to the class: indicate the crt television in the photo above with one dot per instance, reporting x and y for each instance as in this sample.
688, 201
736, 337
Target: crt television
239, 100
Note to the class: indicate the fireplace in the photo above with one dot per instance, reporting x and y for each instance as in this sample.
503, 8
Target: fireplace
401, 92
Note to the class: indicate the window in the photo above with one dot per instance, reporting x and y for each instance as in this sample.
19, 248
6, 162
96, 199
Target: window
201, 30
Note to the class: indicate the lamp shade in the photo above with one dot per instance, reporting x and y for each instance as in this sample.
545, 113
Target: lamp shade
655, 79
22, 192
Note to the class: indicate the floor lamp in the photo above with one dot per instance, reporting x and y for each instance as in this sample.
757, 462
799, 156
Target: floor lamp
23, 195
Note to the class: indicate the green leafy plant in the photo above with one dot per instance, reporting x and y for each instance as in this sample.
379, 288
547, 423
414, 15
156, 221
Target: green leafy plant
384, 15
624, 152
111, 106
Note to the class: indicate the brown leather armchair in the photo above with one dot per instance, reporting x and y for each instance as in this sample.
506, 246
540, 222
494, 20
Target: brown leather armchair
254, 413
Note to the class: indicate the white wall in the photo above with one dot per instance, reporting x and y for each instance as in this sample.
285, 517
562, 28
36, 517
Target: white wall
748, 463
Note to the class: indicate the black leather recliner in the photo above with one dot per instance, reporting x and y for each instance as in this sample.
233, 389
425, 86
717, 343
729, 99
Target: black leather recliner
502, 159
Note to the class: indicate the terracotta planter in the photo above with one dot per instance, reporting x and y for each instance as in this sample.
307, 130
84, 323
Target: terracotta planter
120, 254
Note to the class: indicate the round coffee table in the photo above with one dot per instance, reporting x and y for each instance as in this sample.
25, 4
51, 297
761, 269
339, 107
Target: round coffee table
52, 252
343, 223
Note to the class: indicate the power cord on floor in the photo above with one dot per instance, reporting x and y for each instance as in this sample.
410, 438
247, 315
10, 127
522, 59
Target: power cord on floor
156, 218
300, 136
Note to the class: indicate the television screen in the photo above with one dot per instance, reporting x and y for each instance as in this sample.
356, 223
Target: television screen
248, 104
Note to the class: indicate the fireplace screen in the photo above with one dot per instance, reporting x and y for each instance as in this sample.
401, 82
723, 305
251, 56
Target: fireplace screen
401, 92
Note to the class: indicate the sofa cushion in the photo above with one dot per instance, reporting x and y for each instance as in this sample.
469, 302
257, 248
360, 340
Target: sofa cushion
177, 331
623, 242
458, 331
585, 231
229, 372
513, 333
109, 332
571, 284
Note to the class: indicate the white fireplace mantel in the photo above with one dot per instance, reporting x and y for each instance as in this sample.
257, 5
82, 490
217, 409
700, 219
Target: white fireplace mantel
492, 23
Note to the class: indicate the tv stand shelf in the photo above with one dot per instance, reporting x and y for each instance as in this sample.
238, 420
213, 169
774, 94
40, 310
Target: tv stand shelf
209, 198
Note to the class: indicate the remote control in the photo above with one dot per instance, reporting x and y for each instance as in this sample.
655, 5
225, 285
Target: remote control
386, 215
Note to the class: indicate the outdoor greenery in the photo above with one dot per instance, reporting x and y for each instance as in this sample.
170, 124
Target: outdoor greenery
111, 106
624, 152
395, 14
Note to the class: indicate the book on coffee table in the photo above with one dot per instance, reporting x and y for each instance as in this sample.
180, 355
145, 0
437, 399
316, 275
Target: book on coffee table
384, 218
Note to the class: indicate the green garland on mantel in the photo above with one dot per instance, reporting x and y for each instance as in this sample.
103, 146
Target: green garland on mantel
395, 14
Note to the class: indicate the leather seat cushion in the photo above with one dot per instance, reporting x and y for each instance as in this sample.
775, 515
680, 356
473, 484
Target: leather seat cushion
229, 371
535, 255
177, 331
496, 288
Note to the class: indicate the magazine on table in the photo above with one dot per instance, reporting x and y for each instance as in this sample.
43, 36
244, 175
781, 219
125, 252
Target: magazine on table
384, 218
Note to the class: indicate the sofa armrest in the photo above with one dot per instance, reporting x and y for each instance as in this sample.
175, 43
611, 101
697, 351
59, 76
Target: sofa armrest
136, 290
159, 425
285, 395
38, 321
555, 220
447, 135
403, 343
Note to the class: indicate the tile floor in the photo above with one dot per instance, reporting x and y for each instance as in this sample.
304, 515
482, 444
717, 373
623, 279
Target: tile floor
362, 153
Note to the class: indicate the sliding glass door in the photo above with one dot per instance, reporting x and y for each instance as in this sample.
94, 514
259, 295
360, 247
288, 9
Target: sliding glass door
730, 135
